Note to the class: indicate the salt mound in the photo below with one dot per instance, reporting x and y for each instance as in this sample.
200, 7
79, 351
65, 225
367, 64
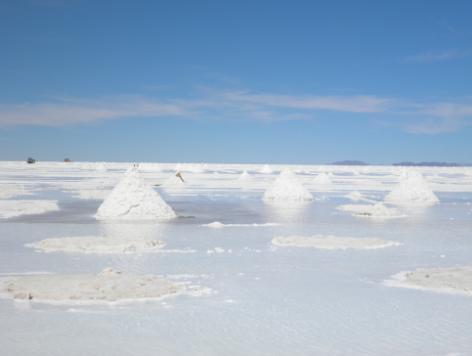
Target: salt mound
375, 211
413, 189
266, 169
97, 244
332, 242
286, 187
244, 176
132, 199
323, 179
452, 280
108, 286
15, 208
100, 167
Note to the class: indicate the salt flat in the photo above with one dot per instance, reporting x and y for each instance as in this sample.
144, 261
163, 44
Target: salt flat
245, 297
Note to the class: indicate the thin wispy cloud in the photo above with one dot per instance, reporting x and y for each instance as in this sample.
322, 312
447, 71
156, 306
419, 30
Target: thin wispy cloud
356, 104
436, 56
79, 110
432, 117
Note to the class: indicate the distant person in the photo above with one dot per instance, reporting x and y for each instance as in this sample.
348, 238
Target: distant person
179, 175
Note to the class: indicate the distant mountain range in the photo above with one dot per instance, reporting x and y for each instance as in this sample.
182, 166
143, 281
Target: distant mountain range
429, 164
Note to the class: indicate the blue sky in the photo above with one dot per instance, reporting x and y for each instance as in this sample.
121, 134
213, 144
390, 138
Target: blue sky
236, 81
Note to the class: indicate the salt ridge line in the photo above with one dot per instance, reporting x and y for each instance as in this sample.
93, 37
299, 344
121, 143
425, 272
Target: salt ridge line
97, 245
373, 211
107, 287
330, 242
448, 280
219, 225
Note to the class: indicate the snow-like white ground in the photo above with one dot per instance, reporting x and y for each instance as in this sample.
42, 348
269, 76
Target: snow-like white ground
245, 295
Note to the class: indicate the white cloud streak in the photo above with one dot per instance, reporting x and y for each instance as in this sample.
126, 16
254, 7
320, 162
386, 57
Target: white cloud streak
420, 117
436, 56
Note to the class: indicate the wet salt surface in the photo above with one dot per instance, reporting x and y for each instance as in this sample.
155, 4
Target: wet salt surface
283, 302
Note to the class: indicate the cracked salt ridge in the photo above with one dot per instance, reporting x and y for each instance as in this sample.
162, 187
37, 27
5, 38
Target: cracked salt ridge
329, 242
107, 287
102, 245
219, 225
15, 208
449, 280
373, 211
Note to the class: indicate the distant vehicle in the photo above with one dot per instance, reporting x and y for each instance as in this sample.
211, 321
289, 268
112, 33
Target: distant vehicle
30, 160
67, 160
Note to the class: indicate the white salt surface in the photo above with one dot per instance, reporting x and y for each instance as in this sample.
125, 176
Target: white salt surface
91, 194
329, 242
173, 182
97, 244
244, 176
266, 169
452, 280
323, 179
15, 208
374, 211
220, 225
8, 191
413, 189
296, 301
132, 199
108, 286
286, 187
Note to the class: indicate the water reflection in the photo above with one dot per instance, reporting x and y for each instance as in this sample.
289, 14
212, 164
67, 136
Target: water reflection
286, 211
132, 230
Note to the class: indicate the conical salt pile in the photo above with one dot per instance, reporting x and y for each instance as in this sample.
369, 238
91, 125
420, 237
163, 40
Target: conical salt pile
413, 189
132, 199
244, 176
287, 188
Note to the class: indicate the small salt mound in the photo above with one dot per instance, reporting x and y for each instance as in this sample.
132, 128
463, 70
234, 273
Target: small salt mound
374, 211
132, 199
109, 286
414, 190
332, 242
244, 176
452, 280
97, 244
286, 187
100, 167
14, 208
355, 196
266, 169
323, 179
